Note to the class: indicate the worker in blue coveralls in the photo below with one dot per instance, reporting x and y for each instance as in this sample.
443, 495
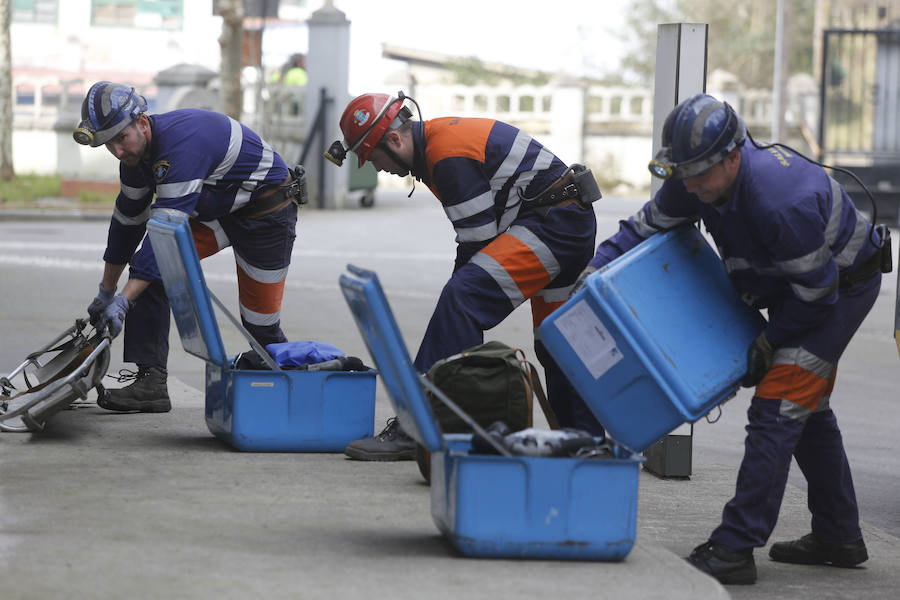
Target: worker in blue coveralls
524, 227
794, 244
231, 186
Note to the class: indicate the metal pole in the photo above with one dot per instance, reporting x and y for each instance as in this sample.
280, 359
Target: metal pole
320, 123
778, 73
823, 85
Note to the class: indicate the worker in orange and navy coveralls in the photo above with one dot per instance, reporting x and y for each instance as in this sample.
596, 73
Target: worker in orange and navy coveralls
524, 231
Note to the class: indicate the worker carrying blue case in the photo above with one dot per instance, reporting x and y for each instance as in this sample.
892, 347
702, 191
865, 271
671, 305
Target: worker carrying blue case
656, 338
272, 410
500, 505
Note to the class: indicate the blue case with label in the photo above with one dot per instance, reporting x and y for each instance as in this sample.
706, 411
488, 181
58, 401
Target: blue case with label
257, 410
655, 339
500, 506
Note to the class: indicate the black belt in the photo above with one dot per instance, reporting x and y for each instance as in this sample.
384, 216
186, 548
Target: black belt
864, 272
292, 189
560, 191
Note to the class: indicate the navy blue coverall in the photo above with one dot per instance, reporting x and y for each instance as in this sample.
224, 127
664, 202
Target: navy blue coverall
789, 237
208, 166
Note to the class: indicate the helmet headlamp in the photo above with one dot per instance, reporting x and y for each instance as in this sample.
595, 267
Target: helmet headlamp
84, 133
336, 153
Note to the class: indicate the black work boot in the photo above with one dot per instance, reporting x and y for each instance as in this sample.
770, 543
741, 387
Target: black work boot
391, 444
148, 393
808, 550
726, 564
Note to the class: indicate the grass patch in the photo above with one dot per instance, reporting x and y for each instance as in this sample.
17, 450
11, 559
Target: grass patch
24, 189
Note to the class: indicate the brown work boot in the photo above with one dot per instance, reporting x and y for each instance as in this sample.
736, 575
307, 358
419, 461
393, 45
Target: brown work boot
147, 393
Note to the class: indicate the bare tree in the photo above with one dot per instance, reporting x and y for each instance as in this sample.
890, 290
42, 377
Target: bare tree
230, 41
741, 39
6, 112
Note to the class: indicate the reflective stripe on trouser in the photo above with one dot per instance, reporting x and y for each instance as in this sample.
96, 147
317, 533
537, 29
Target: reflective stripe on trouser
536, 253
262, 250
794, 419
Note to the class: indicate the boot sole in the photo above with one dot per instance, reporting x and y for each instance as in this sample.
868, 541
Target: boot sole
820, 559
737, 578
741, 576
151, 406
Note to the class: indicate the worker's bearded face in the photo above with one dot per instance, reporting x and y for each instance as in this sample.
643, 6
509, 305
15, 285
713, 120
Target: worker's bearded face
130, 145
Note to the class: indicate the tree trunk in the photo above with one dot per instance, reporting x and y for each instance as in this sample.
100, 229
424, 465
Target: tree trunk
6, 95
231, 41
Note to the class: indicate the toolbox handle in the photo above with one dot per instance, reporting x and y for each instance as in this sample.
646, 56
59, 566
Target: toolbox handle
462, 415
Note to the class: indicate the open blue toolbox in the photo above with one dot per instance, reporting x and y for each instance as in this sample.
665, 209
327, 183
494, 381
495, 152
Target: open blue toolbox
500, 506
657, 338
257, 410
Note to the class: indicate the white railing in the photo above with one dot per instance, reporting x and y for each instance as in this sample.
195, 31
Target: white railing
615, 122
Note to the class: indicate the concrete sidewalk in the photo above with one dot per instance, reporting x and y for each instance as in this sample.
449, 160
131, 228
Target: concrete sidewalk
103, 505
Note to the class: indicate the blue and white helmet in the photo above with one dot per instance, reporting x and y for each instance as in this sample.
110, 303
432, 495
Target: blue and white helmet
697, 134
108, 108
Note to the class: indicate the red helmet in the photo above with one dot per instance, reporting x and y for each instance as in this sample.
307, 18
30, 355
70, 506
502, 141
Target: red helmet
365, 121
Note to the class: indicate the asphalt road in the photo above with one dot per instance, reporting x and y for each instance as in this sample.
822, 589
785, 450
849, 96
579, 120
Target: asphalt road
49, 271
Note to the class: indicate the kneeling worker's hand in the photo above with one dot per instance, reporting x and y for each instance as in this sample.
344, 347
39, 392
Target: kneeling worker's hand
579, 283
759, 361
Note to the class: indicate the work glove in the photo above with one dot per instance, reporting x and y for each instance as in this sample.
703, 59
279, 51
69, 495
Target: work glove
759, 361
95, 308
113, 316
579, 283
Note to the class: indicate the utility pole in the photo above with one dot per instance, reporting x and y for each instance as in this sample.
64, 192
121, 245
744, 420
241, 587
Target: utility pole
778, 71
6, 113
231, 42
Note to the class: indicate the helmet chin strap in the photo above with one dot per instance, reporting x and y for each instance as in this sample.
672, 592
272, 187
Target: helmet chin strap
394, 157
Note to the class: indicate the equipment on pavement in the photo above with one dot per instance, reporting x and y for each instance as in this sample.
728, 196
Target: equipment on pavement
53, 377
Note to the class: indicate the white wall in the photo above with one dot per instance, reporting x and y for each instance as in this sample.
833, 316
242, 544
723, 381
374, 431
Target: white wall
75, 46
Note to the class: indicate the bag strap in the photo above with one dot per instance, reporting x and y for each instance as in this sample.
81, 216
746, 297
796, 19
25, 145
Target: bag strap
528, 383
533, 383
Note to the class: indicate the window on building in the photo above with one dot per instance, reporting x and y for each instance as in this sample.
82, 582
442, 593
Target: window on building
615, 105
636, 105
595, 104
34, 11
143, 14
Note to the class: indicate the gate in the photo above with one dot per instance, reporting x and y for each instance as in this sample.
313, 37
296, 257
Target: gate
859, 116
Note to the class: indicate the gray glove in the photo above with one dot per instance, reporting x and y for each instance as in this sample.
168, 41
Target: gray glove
579, 283
96, 307
113, 316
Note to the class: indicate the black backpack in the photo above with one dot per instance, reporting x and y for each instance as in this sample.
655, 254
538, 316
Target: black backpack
490, 382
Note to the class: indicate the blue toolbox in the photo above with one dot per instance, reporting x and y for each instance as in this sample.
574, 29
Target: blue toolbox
500, 506
257, 410
657, 338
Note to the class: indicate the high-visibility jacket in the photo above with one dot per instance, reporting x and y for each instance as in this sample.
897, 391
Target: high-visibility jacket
482, 171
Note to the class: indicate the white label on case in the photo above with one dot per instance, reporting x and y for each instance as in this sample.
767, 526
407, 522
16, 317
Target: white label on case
589, 339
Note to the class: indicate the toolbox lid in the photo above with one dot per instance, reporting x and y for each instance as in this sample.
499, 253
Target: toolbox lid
379, 329
173, 244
